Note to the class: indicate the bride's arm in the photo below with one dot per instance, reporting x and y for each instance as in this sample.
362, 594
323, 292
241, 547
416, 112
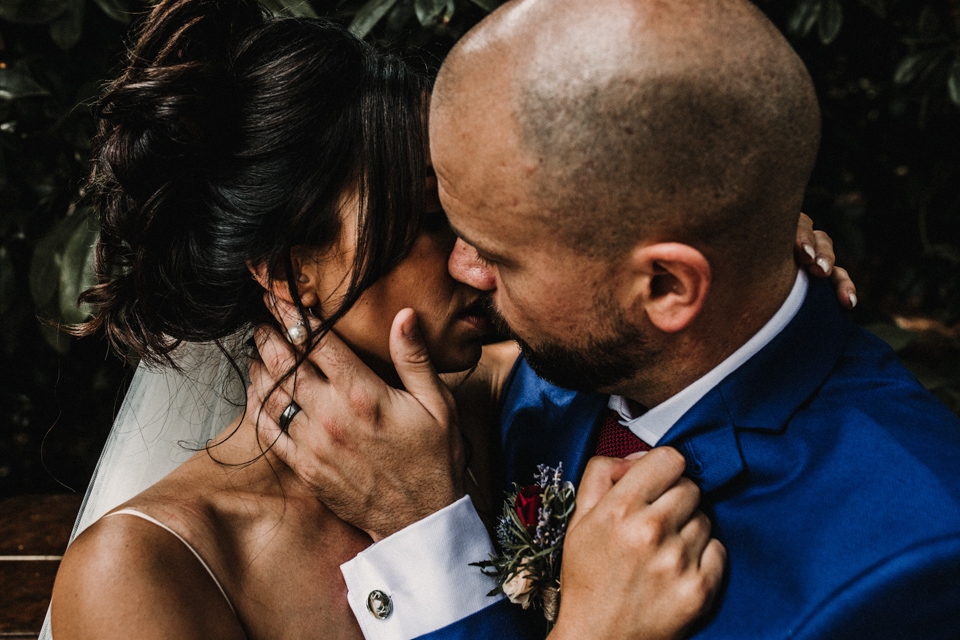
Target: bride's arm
127, 578
487, 381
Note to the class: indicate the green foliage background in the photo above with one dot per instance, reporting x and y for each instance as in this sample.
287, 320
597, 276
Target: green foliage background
886, 187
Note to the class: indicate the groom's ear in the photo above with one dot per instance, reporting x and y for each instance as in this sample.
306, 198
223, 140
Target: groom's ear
306, 277
670, 283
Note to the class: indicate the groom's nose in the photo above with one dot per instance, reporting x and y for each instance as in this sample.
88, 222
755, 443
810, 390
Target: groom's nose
466, 266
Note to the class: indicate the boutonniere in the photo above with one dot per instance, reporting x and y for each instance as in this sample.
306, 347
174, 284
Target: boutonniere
530, 534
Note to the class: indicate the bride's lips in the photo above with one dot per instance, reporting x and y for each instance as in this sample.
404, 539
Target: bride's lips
476, 316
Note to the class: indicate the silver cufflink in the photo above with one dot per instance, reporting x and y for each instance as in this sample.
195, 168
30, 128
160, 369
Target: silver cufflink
379, 604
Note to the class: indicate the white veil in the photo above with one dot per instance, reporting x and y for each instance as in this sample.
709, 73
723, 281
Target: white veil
166, 416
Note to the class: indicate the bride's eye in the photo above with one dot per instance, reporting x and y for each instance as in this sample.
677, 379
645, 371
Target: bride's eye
435, 218
435, 221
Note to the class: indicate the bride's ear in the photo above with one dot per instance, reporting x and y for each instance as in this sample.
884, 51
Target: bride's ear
305, 273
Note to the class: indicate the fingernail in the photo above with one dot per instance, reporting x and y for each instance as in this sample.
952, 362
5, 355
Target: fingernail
411, 328
823, 264
635, 455
303, 278
810, 252
853, 300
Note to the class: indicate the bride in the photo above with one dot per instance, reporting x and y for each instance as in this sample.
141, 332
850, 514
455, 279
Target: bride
240, 158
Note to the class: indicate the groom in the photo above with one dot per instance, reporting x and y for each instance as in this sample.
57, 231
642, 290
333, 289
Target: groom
625, 177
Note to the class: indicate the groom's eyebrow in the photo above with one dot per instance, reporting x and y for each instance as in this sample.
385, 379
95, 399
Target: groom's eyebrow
470, 242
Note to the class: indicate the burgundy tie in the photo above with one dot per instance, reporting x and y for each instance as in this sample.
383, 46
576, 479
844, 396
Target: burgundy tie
616, 441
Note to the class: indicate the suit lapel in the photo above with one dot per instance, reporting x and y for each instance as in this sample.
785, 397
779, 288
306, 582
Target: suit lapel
764, 393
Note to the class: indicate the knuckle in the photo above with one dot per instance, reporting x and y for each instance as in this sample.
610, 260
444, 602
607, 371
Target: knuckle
824, 242
703, 522
594, 465
362, 405
335, 430
646, 535
668, 565
695, 595
671, 456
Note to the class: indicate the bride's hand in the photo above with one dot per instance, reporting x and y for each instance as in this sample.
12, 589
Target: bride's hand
380, 458
813, 251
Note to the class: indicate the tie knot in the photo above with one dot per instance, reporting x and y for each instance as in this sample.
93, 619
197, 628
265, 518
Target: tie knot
616, 441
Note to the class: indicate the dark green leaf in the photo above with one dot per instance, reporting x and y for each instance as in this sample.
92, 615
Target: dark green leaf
119, 10
429, 11
76, 272
879, 7
35, 11
487, 5
46, 264
290, 8
804, 16
908, 68
14, 85
831, 19
66, 31
369, 15
953, 81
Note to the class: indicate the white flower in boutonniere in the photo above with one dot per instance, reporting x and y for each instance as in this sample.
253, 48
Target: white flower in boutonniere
530, 535
519, 588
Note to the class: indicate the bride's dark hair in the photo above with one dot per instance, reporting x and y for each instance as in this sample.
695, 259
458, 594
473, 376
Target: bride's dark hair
229, 138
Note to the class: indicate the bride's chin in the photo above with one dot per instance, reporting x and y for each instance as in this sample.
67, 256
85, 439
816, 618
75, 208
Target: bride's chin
453, 358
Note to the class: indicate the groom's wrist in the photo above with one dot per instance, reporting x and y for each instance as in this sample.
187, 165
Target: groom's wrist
417, 507
425, 571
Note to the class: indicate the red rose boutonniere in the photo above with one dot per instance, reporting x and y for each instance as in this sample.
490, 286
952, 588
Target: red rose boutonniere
528, 503
530, 535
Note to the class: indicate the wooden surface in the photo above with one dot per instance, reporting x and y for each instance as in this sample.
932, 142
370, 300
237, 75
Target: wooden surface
33, 535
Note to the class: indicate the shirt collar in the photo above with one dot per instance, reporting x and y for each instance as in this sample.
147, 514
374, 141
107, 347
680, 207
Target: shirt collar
654, 424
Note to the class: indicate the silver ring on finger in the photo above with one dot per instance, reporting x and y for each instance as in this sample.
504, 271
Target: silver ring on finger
288, 414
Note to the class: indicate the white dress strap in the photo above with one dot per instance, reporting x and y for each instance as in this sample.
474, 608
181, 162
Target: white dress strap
140, 514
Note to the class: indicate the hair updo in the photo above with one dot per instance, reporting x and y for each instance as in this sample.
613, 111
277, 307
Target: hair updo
229, 138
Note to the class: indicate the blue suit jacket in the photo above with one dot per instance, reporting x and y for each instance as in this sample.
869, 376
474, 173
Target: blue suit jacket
830, 474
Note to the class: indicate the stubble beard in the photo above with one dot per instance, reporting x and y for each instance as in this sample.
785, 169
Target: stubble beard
597, 360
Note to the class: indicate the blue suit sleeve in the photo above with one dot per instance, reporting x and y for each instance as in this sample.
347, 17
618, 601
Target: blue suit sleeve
503, 621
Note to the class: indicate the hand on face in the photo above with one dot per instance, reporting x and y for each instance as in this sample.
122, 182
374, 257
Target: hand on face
380, 458
638, 560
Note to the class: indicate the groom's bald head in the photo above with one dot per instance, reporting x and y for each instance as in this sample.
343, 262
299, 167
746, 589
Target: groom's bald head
680, 120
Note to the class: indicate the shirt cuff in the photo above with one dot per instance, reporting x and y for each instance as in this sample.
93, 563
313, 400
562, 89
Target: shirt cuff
424, 572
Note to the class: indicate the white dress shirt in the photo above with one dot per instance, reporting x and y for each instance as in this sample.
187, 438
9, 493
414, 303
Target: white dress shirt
424, 569
652, 425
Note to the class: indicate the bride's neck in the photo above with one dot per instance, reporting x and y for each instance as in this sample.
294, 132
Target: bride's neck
241, 445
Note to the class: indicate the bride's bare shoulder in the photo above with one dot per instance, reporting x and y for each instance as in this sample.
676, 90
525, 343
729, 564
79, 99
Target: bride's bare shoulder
127, 577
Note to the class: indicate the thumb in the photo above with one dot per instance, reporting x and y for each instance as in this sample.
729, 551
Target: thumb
412, 361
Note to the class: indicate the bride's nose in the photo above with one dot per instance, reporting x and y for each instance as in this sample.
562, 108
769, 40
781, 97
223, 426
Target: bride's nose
466, 266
